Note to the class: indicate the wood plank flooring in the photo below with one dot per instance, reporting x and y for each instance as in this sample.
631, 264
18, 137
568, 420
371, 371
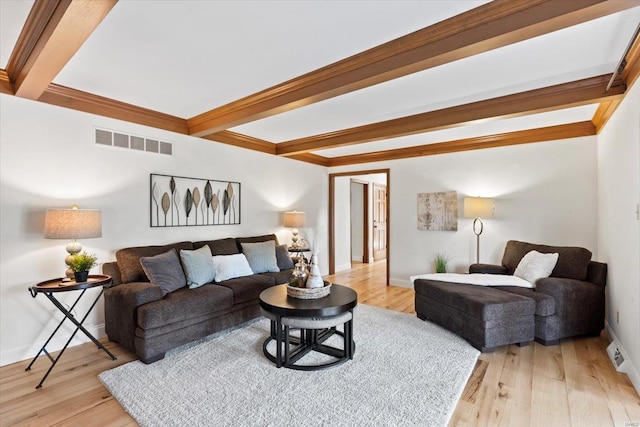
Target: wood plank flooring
571, 384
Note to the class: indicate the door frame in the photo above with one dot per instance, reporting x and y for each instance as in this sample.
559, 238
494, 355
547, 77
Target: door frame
365, 219
332, 243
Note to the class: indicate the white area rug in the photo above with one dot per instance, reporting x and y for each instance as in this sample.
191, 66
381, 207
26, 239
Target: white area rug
404, 372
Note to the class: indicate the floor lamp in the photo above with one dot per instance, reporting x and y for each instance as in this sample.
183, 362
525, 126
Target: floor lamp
478, 208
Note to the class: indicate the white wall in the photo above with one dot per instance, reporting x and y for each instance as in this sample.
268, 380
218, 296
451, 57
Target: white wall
544, 193
619, 225
48, 158
357, 221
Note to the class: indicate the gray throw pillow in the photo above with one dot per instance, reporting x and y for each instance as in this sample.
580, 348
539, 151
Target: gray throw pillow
165, 271
198, 266
284, 258
261, 256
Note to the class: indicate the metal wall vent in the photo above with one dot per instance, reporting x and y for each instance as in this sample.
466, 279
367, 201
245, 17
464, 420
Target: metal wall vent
132, 142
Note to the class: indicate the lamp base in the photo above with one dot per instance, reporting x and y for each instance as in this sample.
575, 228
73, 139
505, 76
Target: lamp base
72, 248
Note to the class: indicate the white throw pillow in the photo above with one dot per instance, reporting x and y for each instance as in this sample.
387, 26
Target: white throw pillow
198, 266
231, 266
535, 265
261, 256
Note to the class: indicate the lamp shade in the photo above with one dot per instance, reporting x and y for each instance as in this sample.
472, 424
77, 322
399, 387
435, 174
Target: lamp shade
478, 207
72, 223
295, 219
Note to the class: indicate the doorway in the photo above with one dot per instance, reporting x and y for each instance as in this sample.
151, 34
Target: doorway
340, 218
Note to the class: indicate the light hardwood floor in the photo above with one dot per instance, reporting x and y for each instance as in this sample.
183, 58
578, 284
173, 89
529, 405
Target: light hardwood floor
571, 384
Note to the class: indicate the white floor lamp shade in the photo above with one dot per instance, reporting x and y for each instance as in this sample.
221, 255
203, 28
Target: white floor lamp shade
478, 208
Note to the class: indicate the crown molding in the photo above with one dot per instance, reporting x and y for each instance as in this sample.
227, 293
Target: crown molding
572, 130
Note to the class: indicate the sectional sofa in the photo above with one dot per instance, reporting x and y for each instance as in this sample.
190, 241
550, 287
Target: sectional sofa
150, 319
569, 302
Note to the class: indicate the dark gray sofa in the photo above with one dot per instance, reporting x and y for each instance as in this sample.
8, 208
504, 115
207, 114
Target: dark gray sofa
570, 302
142, 319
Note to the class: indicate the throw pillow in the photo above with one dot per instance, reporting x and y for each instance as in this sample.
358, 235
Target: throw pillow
231, 266
284, 258
198, 266
165, 271
535, 265
261, 256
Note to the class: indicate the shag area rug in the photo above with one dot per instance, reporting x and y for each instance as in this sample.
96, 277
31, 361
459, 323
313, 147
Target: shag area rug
405, 372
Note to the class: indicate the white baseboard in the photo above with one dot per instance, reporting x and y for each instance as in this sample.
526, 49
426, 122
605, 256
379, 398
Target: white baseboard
28, 352
403, 283
627, 367
343, 267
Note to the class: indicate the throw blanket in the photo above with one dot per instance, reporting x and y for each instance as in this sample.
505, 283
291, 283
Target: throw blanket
478, 279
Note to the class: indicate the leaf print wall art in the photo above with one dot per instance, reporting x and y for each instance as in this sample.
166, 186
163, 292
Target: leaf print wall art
177, 201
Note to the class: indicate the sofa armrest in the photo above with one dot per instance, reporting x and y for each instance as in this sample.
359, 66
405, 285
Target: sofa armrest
120, 309
579, 304
488, 269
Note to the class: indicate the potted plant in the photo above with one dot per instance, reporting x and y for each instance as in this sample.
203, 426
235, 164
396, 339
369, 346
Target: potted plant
440, 262
81, 264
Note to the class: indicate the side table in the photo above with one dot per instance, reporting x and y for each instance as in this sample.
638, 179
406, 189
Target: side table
50, 287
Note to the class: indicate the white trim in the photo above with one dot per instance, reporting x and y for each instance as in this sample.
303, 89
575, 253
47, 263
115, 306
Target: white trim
403, 283
27, 353
343, 267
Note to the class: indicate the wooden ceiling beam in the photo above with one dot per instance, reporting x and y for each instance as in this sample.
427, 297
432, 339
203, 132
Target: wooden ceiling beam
572, 94
487, 27
551, 133
629, 76
53, 33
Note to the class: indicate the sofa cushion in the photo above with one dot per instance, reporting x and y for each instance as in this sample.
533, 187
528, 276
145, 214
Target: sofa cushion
284, 258
129, 259
231, 266
572, 261
248, 288
165, 271
255, 239
219, 247
545, 304
283, 276
261, 256
184, 304
535, 265
198, 266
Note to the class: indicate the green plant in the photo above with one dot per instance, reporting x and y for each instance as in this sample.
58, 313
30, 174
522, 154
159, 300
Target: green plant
82, 261
440, 262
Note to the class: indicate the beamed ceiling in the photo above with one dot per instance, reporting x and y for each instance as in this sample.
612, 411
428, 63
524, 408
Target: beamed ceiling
330, 82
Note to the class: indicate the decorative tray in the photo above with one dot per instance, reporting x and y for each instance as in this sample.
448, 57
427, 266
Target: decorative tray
309, 293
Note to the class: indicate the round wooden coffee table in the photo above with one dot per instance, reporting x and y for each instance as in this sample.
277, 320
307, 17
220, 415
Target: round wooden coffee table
315, 318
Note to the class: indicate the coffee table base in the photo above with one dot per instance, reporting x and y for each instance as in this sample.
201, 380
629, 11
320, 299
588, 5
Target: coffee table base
309, 340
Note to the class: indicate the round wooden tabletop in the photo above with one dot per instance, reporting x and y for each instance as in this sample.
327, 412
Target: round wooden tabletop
341, 299
58, 285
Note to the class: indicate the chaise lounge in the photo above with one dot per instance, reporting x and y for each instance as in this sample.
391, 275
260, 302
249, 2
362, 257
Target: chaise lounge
569, 302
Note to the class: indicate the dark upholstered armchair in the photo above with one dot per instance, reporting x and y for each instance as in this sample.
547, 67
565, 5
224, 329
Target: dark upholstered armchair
570, 302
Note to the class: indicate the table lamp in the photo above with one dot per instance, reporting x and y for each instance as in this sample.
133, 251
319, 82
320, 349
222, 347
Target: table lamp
72, 224
478, 207
294, 220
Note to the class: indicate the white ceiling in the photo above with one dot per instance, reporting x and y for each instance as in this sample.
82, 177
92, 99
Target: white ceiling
187, 57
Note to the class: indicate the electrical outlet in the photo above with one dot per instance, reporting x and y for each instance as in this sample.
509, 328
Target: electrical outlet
617, 316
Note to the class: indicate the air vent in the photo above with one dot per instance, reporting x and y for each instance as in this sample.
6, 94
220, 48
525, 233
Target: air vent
616, 356
132, 142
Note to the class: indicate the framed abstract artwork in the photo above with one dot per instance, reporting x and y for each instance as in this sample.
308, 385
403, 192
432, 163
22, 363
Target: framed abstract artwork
179, 201
438, 211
